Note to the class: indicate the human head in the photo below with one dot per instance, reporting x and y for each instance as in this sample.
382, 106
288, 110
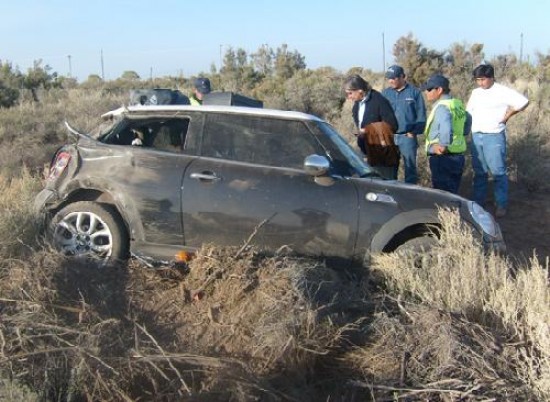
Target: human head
396, 76
436, 86
202, 87
356, 87
484, 74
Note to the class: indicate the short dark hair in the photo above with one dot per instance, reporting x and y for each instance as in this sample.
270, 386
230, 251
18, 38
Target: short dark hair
356, 82
484, 71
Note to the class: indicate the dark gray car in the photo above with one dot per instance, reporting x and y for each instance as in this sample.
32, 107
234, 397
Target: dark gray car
157, 180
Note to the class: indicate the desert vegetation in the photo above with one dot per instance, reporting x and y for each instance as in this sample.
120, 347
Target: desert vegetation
454, 325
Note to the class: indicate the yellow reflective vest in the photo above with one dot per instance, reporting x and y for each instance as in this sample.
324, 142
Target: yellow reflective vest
194, 101
458, 119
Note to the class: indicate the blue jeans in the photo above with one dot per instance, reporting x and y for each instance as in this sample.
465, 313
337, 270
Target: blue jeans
408, 148
447, 171
489, 156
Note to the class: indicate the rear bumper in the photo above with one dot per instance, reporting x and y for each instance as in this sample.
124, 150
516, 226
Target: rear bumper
43, 199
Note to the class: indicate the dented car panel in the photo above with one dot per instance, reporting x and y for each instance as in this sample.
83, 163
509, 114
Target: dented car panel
173, 178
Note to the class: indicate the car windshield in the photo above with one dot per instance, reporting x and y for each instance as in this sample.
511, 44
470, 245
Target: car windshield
356, 162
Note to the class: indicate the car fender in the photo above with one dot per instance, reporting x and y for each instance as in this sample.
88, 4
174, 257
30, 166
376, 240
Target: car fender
110, 194
399, 223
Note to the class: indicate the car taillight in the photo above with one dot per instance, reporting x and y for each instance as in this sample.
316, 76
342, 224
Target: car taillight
58, 165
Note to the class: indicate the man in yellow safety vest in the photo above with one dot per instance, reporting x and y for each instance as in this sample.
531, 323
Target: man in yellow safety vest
446, 127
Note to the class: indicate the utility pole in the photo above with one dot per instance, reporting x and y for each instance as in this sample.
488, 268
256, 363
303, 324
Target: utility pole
221, 46
383, 53
70, 67
521, 49
102, 67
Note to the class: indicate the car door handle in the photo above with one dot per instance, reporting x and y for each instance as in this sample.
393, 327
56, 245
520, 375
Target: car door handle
205, 176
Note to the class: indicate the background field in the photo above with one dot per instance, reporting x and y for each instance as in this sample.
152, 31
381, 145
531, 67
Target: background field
233, 326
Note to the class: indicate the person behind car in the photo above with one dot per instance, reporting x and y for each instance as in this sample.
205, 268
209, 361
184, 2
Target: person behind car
201, 87
491, 106
446, 127
375, 140
408, 104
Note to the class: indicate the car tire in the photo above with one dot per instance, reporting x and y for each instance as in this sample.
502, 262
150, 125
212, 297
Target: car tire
417, 245
92, 230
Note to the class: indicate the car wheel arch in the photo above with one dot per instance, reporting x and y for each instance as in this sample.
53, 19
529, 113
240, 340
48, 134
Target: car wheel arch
404, 227
122, 207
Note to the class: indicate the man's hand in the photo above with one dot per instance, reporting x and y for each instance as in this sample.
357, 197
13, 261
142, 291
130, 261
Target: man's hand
439, 149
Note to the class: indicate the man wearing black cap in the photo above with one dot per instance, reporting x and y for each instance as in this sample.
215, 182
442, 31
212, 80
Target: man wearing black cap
446, 127
491, 106
201, 88
410, 111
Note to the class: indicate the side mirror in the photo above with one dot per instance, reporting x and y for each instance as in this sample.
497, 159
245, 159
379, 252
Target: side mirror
316, 165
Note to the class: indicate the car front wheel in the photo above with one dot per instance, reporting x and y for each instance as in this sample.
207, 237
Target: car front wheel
417, 245
89, 229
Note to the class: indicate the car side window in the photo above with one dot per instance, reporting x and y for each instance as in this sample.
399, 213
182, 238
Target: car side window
162, 134
258, 139
170, 135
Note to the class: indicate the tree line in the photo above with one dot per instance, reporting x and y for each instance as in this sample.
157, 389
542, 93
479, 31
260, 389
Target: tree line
280, 76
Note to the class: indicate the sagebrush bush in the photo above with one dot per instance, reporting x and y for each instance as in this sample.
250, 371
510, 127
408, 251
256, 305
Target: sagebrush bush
510, 305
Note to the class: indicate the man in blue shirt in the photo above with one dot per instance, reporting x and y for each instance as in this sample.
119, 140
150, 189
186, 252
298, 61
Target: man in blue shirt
410, 111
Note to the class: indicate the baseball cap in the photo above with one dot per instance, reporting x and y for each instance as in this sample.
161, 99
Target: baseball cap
435, 81
203, 85
394, 71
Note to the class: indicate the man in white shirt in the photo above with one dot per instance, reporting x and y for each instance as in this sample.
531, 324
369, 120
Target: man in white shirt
491, 106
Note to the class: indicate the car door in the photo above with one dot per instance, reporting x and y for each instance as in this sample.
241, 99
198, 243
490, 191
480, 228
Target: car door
151, 178
249, 184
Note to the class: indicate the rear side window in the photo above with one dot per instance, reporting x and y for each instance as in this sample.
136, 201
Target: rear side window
161, 134
259, 140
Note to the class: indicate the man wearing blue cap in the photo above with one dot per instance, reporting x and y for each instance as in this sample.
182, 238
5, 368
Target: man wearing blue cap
446, 127
410, 111
201, 88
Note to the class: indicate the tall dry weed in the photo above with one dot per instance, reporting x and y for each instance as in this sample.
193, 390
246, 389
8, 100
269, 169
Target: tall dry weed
510, 308
19, 225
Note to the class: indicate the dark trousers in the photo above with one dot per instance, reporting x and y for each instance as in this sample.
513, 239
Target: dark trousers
446, 171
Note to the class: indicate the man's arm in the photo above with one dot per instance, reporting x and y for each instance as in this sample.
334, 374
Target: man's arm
387, 114
420, 123
511, 112
443, 127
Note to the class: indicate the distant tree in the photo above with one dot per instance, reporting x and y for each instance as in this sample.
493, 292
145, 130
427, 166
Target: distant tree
237, 73
130, 75
460, 61
93, 81
288, 63
418, 61
10, 83
506, 66
262, 60
318, 92
8, 96
39, 77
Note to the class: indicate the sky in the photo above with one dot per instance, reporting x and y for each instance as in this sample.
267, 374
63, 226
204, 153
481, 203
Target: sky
184, 38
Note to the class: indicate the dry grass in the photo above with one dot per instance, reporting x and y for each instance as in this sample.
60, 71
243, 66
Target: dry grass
230, 326
235, 325
468, 326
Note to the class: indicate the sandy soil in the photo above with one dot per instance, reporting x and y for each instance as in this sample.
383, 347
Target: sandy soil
526, 226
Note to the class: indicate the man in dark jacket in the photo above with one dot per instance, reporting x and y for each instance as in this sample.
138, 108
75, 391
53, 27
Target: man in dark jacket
371, 107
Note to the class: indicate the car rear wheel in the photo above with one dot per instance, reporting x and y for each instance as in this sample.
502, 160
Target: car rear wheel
91, 230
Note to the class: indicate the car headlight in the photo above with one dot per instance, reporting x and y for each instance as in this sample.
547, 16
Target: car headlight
483, 218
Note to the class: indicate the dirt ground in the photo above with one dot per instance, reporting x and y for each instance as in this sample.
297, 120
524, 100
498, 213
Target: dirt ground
526, 226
